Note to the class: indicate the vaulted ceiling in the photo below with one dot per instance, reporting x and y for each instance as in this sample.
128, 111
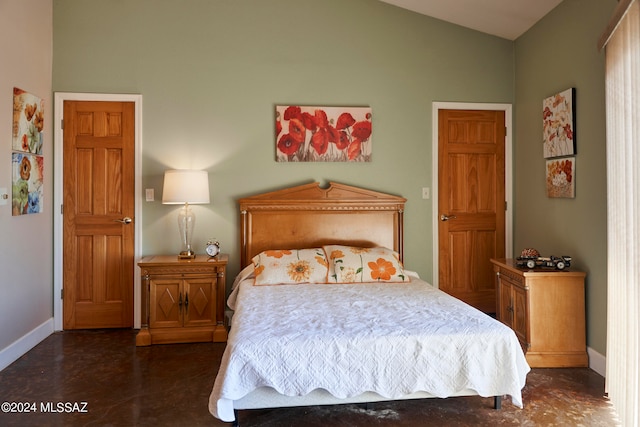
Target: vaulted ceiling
508, 19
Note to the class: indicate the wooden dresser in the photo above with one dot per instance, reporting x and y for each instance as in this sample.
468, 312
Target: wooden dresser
546, 309
182, 300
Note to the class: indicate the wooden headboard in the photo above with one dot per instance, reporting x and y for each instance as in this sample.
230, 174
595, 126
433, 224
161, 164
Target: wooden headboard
308, 216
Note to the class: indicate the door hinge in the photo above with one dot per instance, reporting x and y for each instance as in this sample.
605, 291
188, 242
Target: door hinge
61, 209
506, 208
61, 123
62, 293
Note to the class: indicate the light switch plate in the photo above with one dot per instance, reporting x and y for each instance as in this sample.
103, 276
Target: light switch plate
425, 192
149, 194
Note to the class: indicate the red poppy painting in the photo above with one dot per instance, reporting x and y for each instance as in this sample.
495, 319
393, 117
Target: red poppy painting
323, 134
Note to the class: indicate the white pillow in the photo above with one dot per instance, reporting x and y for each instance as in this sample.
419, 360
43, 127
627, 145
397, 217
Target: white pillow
290, 266
349, 264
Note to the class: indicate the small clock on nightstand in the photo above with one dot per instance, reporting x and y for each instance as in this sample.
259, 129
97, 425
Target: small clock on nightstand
212, 248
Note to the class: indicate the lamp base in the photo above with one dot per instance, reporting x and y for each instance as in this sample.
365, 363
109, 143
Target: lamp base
186, 255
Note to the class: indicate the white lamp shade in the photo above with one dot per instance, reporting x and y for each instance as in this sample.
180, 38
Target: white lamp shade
185, 186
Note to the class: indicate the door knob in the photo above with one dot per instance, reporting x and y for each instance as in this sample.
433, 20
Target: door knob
125, 220
444, 217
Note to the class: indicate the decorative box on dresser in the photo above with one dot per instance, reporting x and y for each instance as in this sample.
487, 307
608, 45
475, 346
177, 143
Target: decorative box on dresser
546, 310
182, 299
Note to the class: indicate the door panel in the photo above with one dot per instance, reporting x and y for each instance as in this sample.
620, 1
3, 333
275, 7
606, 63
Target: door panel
98, 192
505, 305
201, 309
471, 146
520, 315
167, 310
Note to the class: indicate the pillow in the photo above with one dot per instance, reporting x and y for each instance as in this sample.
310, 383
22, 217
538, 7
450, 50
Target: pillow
348, 264
290, 266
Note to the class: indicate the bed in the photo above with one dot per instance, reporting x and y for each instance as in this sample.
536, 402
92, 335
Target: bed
326, 313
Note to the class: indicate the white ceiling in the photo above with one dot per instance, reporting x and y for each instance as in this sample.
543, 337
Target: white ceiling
508, 19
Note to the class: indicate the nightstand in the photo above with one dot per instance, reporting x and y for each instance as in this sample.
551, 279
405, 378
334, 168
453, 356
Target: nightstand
182, 299
546, 310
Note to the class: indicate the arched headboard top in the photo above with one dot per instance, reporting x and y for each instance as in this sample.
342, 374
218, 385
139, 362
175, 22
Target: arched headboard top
308, 216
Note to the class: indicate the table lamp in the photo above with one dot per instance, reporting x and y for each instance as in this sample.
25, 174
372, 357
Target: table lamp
185, 187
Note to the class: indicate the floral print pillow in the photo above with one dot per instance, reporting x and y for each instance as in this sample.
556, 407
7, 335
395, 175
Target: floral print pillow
348, 264
290, 266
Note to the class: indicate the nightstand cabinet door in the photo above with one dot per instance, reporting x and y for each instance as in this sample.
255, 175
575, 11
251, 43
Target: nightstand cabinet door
166, 310
200, 308
520, 315
504, 309
512, 306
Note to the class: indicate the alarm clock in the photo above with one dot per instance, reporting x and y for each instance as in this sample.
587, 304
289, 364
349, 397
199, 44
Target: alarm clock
212, 248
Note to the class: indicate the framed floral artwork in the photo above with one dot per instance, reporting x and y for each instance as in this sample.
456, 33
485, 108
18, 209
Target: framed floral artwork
28, 122
27, 180
323, 134
561, 177
558, 124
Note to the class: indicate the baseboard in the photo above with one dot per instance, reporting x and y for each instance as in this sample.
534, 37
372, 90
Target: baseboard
597, 361
22, 345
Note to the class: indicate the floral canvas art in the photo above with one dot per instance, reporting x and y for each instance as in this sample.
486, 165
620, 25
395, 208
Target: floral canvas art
28, 122
561, 177
27, 174
558, 124
323, 134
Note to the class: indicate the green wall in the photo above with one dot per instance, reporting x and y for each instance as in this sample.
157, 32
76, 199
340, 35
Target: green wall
211, 72
558, 53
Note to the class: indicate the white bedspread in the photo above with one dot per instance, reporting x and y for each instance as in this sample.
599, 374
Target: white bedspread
393, 339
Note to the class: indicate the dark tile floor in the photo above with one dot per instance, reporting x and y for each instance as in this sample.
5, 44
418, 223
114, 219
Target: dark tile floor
169, 385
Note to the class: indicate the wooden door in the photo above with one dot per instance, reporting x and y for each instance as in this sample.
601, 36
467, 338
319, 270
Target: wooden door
471, 203
98, 214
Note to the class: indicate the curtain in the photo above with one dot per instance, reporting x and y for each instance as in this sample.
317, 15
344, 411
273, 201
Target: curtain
623, 215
